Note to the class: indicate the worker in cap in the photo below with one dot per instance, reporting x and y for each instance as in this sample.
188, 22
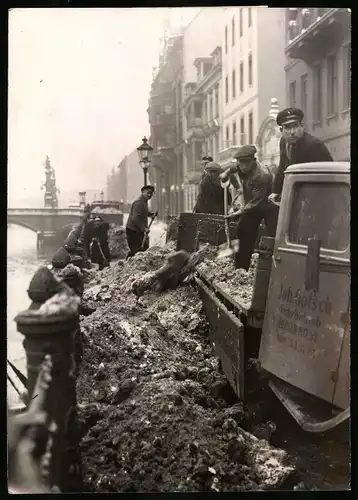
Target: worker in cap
251, 204
137, 223
210, 199
296, 146
95, 241
205, 160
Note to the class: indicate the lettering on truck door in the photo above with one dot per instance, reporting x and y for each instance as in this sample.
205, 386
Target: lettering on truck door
303, 330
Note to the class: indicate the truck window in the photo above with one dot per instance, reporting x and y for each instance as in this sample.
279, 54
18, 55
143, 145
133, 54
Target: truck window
321, 210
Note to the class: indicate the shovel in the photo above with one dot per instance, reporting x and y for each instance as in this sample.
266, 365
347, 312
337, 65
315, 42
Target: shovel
147, 234
19, 375
229, 247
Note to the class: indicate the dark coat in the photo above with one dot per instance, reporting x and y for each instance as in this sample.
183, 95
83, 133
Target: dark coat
138, 215
96, 231
210, 198
307, 149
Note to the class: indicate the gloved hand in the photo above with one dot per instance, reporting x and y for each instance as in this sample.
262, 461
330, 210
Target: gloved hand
233, 215
274, 197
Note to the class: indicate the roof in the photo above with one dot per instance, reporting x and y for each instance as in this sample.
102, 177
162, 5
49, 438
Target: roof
323, 167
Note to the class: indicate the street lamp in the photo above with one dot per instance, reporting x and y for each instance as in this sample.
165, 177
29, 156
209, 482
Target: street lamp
145, 157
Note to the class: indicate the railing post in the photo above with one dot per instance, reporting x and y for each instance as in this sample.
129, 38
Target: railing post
49, 326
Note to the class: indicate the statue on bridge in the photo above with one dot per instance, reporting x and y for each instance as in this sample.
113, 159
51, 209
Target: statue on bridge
51, 200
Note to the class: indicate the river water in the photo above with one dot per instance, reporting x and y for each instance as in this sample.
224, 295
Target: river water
22, 263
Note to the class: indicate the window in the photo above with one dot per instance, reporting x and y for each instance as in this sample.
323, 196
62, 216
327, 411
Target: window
250, 70
217, 101
242, 131
227, 136
211, 105
233, 84
251, 128
233, 31
292, 94
240, 22
317, 93
331, 84
226, 89
321, 210
234, 133
249, 15
241, 77
346, 76
304, 93
226, 40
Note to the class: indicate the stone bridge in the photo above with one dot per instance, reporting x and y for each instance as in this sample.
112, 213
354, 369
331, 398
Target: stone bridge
48, 221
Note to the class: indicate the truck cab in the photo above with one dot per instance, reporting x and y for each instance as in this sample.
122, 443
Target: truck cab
306, 329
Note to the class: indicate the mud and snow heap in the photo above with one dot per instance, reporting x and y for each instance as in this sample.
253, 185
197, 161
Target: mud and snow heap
156, 413
238, 283
106, 210
117, 241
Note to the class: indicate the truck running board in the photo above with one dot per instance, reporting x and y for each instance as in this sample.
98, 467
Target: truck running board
303, 407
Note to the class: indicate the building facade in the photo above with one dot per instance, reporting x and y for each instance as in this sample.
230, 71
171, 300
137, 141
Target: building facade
166, 128
125, 181
201, 110
252, 72
318, 73
202, 114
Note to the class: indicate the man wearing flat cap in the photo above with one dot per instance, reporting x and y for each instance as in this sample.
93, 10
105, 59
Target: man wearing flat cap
296, 146
210, 198
137, 223
255, 188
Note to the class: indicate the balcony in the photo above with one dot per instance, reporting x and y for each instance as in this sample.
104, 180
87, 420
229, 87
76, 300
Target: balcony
315, 32
195, 129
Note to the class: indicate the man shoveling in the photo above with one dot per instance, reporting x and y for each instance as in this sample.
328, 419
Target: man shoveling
137, 225
256, 185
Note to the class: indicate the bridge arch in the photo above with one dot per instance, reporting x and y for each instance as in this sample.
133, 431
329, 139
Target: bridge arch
21, 223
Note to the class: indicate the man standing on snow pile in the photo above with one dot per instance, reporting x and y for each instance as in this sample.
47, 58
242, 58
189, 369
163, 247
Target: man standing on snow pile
256, 183
96, 241
296, 146
137, 223
210, 198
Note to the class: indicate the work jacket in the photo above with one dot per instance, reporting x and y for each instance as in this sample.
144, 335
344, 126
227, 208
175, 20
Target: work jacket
306, 150
210, 198
138, 216
254, 188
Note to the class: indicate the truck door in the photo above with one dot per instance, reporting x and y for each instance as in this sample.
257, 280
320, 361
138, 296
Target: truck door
304, 329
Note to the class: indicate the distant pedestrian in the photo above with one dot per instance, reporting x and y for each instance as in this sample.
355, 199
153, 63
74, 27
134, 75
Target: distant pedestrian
296, 146
137, 224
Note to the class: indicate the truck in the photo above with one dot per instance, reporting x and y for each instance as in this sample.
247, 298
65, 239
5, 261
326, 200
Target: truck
297, 324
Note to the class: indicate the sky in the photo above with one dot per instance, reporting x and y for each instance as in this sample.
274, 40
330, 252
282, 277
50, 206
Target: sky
78, 90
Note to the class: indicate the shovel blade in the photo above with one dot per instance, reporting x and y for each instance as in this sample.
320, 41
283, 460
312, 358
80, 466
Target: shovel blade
225, 253
234, 245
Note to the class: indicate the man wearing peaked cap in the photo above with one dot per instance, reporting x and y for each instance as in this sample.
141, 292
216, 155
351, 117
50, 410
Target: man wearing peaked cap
296, 146
251, 203
137, 223
210, 198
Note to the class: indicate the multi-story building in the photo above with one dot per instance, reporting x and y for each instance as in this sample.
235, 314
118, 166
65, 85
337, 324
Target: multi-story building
125, 181
253, 62
318, 73
166, 128
201, 109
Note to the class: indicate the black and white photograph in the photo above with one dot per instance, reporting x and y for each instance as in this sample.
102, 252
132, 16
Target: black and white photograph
178, 249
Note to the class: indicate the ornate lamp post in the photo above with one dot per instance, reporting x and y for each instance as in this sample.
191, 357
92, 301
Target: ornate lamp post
145, 157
